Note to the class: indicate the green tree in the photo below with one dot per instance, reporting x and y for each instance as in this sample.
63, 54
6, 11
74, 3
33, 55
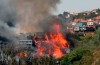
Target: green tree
75, 57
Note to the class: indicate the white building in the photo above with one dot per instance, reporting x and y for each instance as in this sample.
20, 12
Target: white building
24, 40
90, 23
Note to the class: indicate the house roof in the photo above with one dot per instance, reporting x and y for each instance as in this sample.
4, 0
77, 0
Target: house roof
78, 20
97, 18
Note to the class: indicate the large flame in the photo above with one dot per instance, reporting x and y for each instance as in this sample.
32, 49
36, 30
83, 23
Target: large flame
55, 43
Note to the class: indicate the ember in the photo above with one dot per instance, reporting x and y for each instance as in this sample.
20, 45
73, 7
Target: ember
55, 43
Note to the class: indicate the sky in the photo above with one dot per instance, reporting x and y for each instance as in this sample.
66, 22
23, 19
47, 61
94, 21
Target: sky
77, 5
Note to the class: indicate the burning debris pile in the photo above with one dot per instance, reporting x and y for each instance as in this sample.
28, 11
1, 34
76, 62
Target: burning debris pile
54, 42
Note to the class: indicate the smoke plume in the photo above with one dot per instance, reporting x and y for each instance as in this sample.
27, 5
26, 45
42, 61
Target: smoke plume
32, 12
19, 16
8, 20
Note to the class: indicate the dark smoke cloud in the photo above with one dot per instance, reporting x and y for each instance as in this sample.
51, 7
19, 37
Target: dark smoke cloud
47, 24
7, 20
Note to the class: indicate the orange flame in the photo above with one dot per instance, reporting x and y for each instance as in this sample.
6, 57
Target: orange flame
22, 54
56, 41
